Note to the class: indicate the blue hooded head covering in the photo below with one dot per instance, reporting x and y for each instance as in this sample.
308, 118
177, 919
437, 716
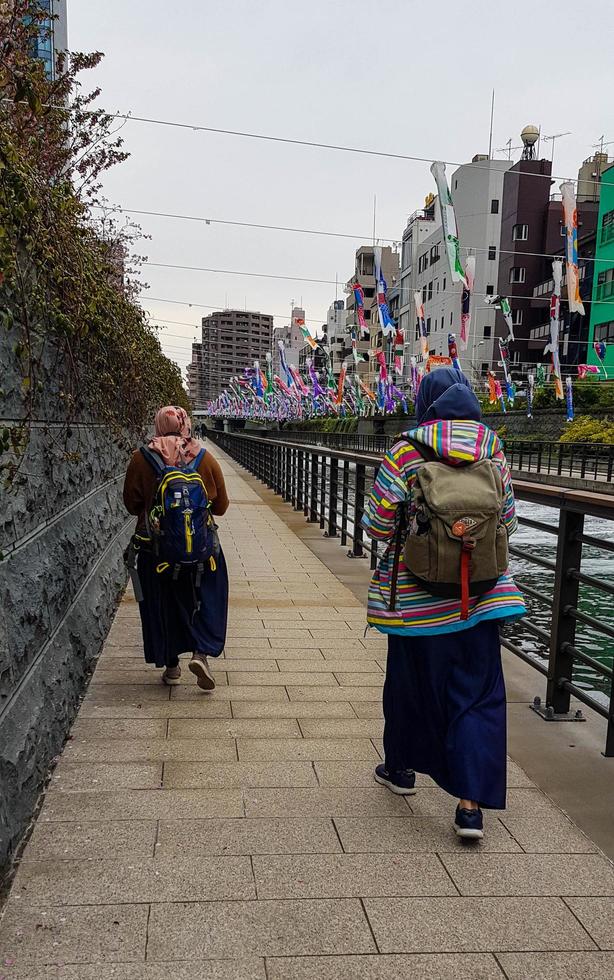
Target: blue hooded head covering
446, 394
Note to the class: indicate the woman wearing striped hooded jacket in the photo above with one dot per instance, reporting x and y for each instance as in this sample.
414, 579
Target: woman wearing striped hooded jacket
444, 694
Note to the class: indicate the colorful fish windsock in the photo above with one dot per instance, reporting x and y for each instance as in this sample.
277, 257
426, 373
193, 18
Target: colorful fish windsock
284, 363
257, 380
569, 398
600, 350
357, 357
310, 340
505, 356
296, 374
453, 351
340, 386
399, 342
381, 288
414, 378
584, 369
448, 223
318, 391
437, 361
380, 357
499, 395
502, 303
530, 394
555, 325
492, 389
359, 301
466, 301
421, 323
570, 215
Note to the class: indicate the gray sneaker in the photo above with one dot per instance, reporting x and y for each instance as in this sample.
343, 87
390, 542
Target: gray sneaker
171, 676
199, 666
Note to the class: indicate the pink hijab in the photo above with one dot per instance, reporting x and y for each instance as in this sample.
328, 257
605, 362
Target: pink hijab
173, 439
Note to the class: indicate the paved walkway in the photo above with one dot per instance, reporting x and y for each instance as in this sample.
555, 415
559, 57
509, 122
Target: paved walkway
240, 835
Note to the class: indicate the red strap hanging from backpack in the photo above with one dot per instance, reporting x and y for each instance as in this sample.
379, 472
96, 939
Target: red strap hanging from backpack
468, 544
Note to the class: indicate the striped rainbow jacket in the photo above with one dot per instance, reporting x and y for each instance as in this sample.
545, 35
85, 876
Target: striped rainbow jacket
417, 612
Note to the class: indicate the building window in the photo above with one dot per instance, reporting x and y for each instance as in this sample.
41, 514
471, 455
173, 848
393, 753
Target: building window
520, 233
487, 331
494, 206
485, 367
369, 292
428, 324
490, 290
607, 227
423, 262
492, 252
451, 318
518, 274
563, 231
424, 293
430, 291
517, 317
434, 257
444, 284
605, 331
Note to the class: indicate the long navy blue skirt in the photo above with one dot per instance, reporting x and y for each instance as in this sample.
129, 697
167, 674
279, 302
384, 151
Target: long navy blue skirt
170, 625
444, 709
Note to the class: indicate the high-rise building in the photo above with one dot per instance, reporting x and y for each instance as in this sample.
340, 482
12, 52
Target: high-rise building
602, 306
53, 37
336, 338
477, 190
231, 341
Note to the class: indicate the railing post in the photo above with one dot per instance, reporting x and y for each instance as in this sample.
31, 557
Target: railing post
359, 506
344, 501
566, 588
313, 506
287, 495
333, 484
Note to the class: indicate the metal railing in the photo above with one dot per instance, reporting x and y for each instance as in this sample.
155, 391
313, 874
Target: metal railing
583, 461
330, 485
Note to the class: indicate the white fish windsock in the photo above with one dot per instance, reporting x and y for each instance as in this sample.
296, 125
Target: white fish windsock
448, 223
570, 215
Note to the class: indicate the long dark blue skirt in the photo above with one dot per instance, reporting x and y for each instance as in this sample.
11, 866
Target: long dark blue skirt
170, 624
444, 709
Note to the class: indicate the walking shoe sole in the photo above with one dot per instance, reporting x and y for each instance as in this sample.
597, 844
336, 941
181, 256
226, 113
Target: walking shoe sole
468, 833
203, 678
397, 790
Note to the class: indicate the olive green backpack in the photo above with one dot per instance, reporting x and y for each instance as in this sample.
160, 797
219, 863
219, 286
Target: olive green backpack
456, 545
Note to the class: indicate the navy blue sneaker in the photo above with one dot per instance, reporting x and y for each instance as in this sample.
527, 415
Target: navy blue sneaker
402, 782
469, 823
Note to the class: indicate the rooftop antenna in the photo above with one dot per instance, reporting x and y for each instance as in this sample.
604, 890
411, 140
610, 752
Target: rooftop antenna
492, 115
600, 145
553, 139
508, 148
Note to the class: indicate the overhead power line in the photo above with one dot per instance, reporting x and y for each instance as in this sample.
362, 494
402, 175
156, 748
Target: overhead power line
265, 137
327, 234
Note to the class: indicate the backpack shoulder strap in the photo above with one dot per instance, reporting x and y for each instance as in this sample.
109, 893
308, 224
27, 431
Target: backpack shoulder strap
154, 460
195, 463
427, 452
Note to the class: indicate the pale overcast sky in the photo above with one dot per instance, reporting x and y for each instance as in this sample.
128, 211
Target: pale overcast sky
407, 76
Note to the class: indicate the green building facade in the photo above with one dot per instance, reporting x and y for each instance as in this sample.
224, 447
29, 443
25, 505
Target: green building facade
602, 306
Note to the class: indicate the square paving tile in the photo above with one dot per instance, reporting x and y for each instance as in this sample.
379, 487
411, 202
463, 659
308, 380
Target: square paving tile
266, 928
180, 775
306, 835
391, 835
404, 925
305, 748
557, 966
336, 728
94, 934
235, 969
339, 693
556, 835
80, 776
597, 916
293, 709
530, 874
108, 728
143, 805
232, 692
152, 750
315, 679
323, 802
350, 875
114, 840
234, 728
457, 966
100, 882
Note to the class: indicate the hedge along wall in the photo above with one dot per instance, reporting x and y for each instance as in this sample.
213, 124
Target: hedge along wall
63, 529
